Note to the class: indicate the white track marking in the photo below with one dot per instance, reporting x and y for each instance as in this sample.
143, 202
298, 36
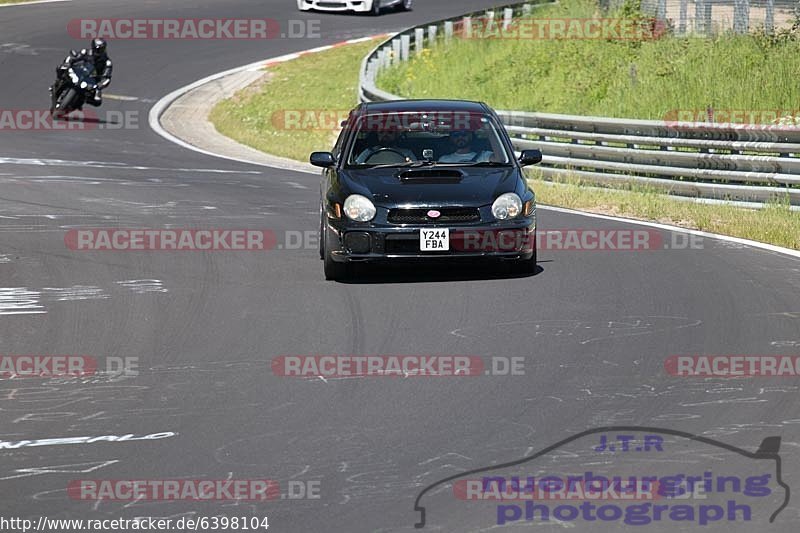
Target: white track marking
108, 164
665, 227
35, 2
158, 109
20, 301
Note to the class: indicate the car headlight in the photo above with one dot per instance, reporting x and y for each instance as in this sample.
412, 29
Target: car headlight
359, 208
73, 77
506, 206
84, 85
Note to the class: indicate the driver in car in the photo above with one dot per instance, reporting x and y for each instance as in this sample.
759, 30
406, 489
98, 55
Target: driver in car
387, 142
464, 152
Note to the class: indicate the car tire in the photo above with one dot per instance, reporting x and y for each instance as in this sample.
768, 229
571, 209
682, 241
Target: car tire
334, 271
526, 266
406, 5
376, 8
321, 230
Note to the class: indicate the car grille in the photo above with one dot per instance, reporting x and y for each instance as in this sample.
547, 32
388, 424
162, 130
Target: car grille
449, 215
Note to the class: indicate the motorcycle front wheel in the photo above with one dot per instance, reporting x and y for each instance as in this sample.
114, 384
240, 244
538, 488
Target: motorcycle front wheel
64, 104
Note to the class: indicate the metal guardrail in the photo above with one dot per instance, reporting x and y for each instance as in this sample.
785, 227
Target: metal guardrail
757, 163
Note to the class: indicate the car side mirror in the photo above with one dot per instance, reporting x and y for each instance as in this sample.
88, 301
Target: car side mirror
322, 159
530, 157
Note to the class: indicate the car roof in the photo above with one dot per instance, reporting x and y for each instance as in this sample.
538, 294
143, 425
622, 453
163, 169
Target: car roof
400, 106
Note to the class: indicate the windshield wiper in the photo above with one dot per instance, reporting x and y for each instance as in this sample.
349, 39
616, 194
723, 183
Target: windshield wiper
407, 164
486, 164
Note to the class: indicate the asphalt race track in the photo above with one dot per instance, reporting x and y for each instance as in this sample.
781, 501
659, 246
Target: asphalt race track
593, 327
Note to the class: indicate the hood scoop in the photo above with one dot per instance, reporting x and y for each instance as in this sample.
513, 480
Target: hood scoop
431, 175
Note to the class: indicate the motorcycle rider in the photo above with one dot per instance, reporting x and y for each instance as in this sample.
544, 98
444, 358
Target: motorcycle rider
96, 54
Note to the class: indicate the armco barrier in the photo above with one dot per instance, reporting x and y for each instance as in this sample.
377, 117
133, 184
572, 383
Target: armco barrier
757, 163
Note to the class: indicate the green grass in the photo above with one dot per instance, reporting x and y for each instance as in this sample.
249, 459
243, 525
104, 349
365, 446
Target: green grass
318, 83
774, 224
328, 80
15, 1
646, 79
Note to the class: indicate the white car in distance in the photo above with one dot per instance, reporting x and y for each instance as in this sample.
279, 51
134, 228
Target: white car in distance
373, 7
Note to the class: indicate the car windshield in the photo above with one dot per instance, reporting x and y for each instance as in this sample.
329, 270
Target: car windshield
442, 138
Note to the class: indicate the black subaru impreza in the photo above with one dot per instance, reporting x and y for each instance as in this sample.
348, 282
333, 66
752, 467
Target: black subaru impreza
425, 180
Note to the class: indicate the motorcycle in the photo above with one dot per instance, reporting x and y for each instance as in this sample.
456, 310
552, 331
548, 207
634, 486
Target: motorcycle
70, 93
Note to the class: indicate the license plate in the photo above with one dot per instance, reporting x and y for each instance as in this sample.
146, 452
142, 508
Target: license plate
434, 240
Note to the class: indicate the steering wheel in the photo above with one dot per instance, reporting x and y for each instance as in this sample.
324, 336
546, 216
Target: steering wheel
386, 150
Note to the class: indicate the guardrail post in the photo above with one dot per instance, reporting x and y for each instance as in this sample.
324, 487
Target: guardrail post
405, 47
387, 56
699, 9
661, 10
682, 17
769, 21
741, 16
419, 40
448, 30
395, 51
432, 35
466, 28
489, 21
508, 15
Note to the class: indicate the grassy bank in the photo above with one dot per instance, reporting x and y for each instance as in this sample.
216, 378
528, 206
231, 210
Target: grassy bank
289, 112
327, 81
619, 78
774, 224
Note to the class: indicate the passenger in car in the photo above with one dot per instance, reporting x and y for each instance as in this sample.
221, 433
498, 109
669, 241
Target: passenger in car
465, 151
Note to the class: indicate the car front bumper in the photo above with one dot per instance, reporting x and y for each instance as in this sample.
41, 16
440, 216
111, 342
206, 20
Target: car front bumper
353, 242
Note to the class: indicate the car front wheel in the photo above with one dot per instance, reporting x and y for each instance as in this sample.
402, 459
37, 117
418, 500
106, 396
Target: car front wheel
376, 8
333, 271
321, 230
526, 266
406, 5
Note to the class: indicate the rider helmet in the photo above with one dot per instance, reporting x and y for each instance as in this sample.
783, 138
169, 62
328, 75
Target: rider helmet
98, 46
